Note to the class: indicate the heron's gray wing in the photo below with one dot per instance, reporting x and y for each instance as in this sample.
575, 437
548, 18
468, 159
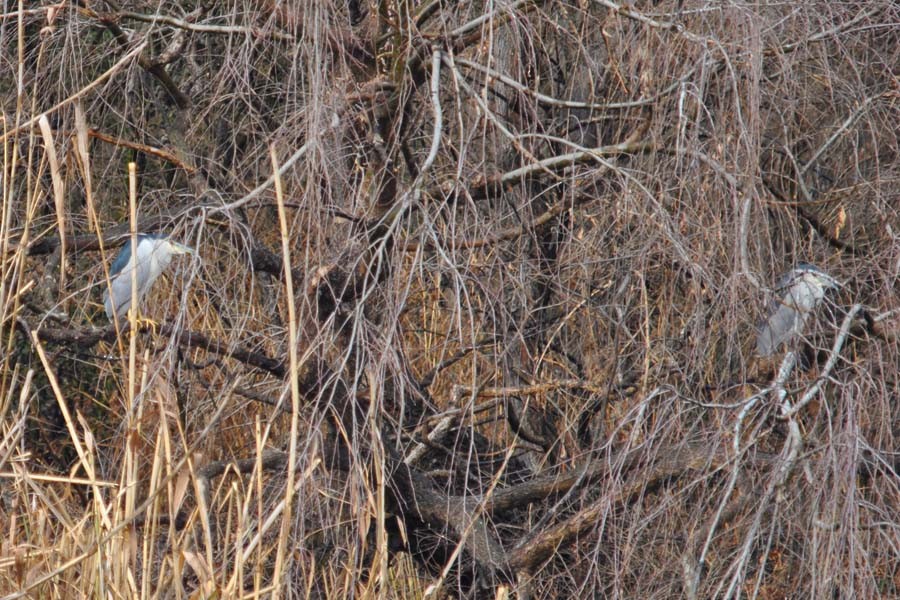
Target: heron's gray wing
118, 297
147, 268
783, 322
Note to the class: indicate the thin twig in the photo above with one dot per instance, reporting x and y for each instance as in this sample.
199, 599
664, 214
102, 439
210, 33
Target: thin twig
146, 149
642, 18
818, 37
856, 114
550, 100
127, 58
255, 32
487, 17
833, 357
270, 180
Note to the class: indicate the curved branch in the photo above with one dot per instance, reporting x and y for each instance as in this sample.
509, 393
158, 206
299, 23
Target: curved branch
677, 461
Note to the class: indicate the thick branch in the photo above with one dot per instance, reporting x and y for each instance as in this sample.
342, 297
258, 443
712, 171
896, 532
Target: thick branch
262, 260
676, 462
86, 338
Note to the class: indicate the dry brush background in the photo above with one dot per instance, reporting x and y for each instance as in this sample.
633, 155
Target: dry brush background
486, 274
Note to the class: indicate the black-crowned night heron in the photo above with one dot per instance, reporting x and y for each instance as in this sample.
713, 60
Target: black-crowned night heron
154, 253
797, 295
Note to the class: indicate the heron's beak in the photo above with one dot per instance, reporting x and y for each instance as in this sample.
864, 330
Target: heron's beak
181, 248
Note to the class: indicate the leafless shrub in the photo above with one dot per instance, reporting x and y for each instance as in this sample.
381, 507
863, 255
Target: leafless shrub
475, 302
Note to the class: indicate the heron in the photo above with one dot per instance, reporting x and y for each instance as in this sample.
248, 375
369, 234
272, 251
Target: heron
154, 253
799, 293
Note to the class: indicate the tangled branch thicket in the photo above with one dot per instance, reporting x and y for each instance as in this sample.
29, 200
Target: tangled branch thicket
474, 306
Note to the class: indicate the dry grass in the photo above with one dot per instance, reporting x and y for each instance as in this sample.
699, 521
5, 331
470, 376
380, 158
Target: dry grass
528, 252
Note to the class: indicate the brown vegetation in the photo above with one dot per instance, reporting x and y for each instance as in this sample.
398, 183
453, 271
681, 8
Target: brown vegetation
475, 301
